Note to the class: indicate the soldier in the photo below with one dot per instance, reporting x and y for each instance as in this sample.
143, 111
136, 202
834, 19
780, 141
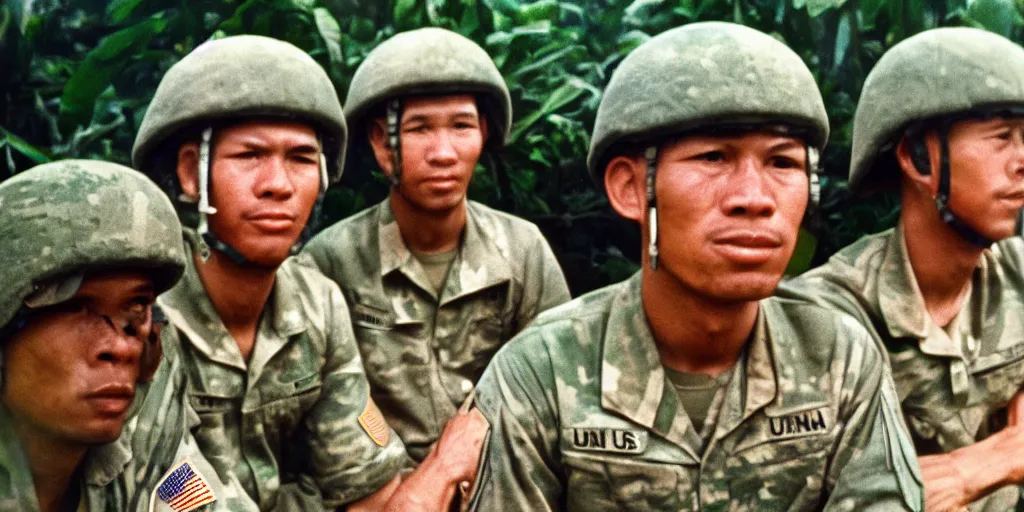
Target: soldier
436, 283
939, 119
252, 129
87, 247
681, 389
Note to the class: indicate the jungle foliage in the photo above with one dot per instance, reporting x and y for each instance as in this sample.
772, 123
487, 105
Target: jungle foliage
76, 77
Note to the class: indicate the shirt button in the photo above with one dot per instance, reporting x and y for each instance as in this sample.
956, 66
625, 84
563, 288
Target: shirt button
466, 385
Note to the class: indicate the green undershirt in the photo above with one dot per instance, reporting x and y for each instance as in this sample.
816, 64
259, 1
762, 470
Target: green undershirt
436, 265
697, 393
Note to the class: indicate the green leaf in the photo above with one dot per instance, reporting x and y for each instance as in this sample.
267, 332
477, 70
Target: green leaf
542, 10
404, 11
842, 41
803, 254
631, 40
639, 11
999, 16
558, 99
330, 32
816, 7
93, 76
543, 62
120, 10
21, 146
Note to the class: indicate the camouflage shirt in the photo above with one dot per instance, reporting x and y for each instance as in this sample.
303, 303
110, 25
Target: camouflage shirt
953, 386
122, 475
583, 418
296, 420
423, 352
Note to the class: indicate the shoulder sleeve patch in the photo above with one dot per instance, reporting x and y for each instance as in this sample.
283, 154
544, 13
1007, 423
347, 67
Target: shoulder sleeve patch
374, 424
182, 489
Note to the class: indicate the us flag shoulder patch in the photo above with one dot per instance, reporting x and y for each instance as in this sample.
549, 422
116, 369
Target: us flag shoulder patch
374, 424
184, 489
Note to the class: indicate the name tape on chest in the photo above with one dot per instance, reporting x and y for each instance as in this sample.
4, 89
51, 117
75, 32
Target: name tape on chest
367, 316
609, 440
801, 424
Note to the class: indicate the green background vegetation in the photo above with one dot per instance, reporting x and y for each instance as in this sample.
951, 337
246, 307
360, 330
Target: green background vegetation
76, 77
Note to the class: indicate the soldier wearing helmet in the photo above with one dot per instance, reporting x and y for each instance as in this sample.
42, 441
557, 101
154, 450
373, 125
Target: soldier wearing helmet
87, 247
436, 283
250, 129
686, 387
940, 120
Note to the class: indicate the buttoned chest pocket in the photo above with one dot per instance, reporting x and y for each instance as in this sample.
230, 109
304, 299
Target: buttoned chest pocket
388, 346
490, 326
220, 420
286, 403
598, 483
779, 475
998, 376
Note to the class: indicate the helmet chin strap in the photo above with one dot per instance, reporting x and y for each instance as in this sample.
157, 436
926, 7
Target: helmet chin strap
393, 116
651, 156
919, 156
209, 241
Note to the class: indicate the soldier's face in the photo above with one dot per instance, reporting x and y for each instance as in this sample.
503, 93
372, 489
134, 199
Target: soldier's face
729, 211
70, 373
442, 138
987, 174
264, 181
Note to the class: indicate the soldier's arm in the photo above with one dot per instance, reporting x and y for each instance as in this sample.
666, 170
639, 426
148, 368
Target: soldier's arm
544, 285
874, 466
955, 479
351, 450
520, 467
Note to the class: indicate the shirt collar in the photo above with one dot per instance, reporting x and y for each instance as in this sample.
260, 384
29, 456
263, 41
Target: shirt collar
190, 310
902, 304
481, 262
633, 381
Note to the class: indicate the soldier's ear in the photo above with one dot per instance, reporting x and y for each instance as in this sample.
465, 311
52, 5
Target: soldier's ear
188, 170
910, 164
377, 133
624, 184
483, 128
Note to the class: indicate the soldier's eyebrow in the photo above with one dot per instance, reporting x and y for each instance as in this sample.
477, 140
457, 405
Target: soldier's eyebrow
785, 145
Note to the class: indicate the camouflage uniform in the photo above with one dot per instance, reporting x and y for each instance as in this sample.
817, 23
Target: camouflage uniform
424, 351
294, 426
952, 385
70, 216
582, 413
583, 418
287, 423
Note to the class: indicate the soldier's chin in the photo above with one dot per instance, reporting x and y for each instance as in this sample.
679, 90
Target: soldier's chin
745, 287
102, 433
269, 256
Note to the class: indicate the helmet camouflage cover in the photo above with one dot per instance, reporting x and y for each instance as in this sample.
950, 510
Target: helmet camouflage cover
937, 73
237, 77
62, 217
428, 61
700, 75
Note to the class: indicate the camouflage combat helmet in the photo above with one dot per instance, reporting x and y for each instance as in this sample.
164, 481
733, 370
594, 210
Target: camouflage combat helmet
927, 82
237, 77
63, 217
427, 61
937, 73
240, 77
699, 76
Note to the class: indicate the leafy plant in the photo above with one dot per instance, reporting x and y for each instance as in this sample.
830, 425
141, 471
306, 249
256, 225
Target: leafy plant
79, 75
